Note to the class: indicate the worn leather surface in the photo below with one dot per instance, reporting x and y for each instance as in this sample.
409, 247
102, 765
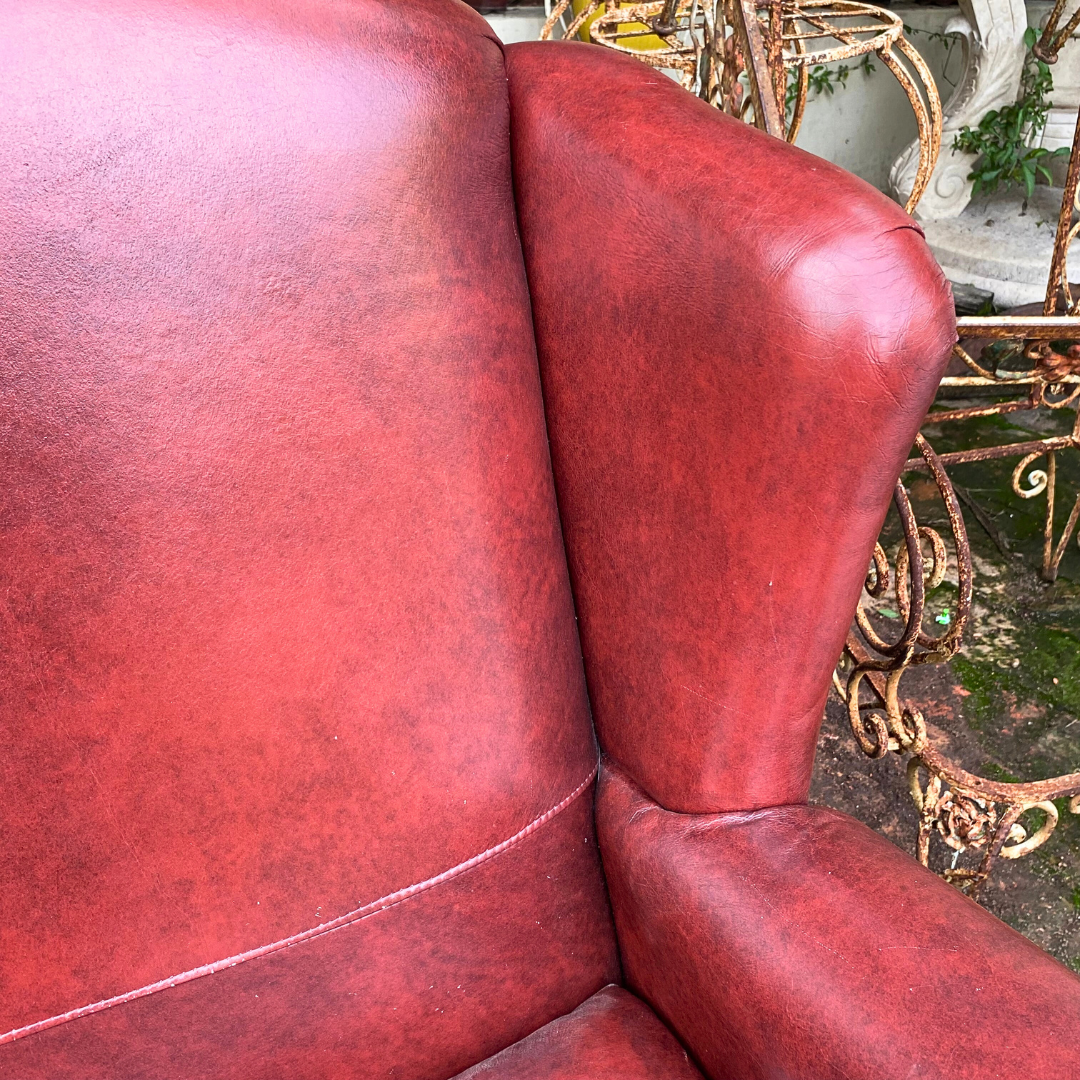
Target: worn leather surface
420, 990
285, 617
737, 343
795, 942
612, 1036
294, 713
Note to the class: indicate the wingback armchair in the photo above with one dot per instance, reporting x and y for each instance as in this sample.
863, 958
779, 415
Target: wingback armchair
438, 481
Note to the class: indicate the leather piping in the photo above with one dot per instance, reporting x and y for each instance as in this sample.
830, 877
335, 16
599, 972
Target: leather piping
306, 935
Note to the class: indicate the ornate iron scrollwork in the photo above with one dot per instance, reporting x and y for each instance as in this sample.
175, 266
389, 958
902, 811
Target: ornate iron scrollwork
963, 810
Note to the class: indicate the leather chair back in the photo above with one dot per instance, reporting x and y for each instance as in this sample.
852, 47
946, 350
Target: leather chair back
286, 623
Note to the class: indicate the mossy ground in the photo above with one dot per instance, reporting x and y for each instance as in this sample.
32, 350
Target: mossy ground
1008, 706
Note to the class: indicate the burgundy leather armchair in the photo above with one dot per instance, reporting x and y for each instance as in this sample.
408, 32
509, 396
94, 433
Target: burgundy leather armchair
346, 358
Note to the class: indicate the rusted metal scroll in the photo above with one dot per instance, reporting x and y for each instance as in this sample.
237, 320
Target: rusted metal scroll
962, 810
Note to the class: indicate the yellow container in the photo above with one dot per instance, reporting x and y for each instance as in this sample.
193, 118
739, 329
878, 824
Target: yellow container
648, 43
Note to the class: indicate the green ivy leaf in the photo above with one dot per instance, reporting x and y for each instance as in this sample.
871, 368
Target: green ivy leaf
1003, 140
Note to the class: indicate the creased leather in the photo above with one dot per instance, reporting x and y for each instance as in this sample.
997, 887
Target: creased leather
796, 942
284, 613
612, 1036
737, 343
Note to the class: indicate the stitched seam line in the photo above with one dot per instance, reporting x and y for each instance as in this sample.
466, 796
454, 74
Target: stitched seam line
306, 935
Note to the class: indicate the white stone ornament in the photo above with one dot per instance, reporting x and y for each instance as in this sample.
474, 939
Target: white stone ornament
992, 38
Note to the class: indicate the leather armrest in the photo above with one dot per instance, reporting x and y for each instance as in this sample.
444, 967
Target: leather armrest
794, 942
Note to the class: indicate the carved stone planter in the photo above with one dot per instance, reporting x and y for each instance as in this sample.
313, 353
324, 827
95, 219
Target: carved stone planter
992, 37
1003, 243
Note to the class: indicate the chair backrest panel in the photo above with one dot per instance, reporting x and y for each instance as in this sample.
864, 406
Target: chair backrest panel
284, 612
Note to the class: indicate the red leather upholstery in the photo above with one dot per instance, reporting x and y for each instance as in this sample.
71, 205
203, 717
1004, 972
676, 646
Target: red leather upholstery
732, 366
734, 363
415, 990
286, 619
612, 1036
296, 763
794, 941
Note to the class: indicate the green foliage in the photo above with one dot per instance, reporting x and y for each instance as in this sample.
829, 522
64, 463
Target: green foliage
1003, 140
948, 41
824, 80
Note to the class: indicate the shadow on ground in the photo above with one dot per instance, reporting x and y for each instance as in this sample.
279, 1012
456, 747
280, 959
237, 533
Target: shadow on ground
1008, 706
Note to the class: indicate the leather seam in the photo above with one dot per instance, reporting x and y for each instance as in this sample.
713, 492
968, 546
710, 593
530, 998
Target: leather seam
365, 912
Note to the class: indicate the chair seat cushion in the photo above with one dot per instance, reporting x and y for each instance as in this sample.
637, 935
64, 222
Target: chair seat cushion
611, 1036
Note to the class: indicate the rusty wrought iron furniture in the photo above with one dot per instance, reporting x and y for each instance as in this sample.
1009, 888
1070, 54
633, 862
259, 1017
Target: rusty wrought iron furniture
964, 810
1034, 364
739, 54
312, 457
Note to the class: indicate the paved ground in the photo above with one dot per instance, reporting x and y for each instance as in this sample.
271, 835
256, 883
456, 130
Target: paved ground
1009, 705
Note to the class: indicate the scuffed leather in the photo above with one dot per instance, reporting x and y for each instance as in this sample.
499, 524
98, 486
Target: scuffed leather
612, 1036
285, 618
737, 343
795, 942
